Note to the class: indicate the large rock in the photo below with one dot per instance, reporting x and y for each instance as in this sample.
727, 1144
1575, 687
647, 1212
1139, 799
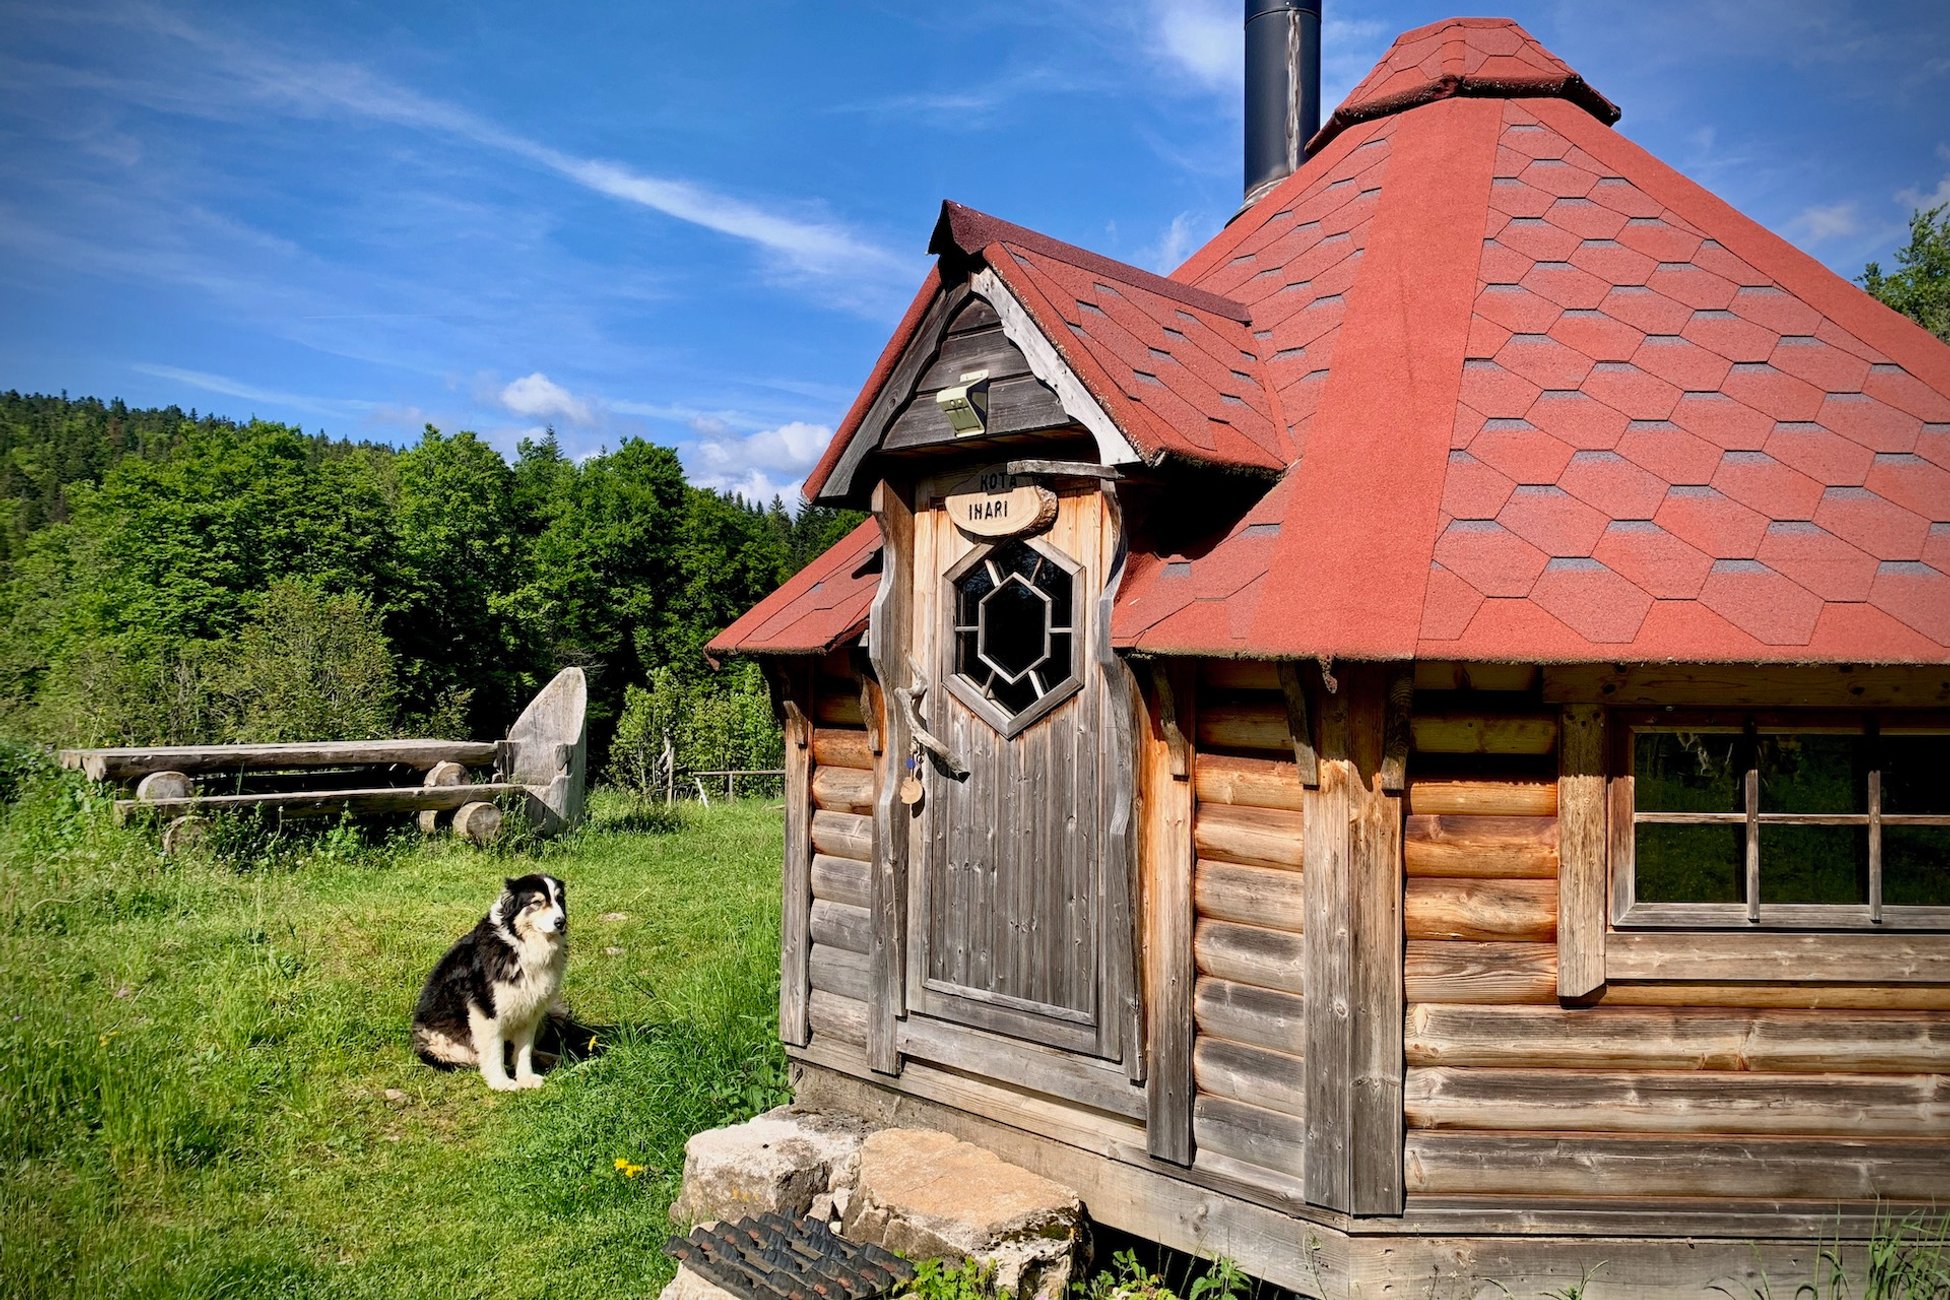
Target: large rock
689, 1286
930, 1196
780, 1162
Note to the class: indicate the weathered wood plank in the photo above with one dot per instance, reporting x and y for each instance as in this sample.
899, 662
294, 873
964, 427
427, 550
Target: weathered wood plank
326, 803
843, 835
890, 641
1678, 1038
1824, 997
1072, 1079
795, 940
836, 1017
1273, 1080
1166, 865
1693, 1101
842, 880
1249, 895
133, 763
1248, 782
1255, 724
1240, 674
1251, 1133
1448, 845
1893, 958
1511, 798
1439, 971
1245, 1013
842, 789
1378, 714
1256, 837
1583, 886
1300, 730
1485, 733
1521, 910
1511, 1164
1327, 959
841, 926
842, 747
840, 972
1773, 686
1250, 954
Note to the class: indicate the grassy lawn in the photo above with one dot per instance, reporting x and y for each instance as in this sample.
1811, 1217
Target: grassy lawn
196, 1055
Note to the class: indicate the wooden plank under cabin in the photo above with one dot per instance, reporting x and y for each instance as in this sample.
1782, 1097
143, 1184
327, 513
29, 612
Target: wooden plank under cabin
1485, 847
1165, 857
1681, 1101
1582, 881
1679, 1038
326, 803
133, 763
796, 900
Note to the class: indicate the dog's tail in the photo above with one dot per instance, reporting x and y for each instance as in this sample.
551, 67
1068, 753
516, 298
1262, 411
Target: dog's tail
442, 1051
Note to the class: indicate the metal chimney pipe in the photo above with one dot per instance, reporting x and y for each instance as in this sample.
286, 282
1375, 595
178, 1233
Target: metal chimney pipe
1282, 88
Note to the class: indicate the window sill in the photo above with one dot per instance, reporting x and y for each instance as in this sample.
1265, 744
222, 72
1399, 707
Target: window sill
1898, 957
1777, 917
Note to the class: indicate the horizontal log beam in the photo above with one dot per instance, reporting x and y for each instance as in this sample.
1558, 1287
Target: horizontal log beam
1240, 674
841, 926
1480, 847
131, 764
1514, 798
1248, 782
1248, 954
842, 747
1257, 837
1250, 1133
1245, 1013
1253, 1075
1441, 971
1692, 1101
1893, 958
1678, 1038
842, 789
326, 803
1750, 685
1257, 724
1823, 997
837, 971
843, 835
1249, 895
836, 702
832, 1016
1485, 733
1448, 675
1500, 1164
841, 880
1521, 910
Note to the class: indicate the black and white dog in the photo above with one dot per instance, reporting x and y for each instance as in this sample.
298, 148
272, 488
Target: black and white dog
496, 985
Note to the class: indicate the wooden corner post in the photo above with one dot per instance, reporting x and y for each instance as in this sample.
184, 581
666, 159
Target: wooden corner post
795, 918
889, 639
1581, 875
1165, 863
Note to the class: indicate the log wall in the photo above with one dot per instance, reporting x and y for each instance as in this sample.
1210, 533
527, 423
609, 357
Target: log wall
1249, 1030
840, 790
1754, 1091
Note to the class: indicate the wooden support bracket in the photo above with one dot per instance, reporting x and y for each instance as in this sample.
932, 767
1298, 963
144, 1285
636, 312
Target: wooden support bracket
1397, 729
797, 730
1178, 747
1299, 723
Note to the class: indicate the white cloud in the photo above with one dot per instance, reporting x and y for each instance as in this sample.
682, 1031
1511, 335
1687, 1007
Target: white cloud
1202, 38
1824, 221
1911, 199
759, 466
229, 387
1178, 241
540, 398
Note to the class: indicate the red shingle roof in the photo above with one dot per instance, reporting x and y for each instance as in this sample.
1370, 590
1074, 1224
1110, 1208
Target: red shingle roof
1545, 398
820, 606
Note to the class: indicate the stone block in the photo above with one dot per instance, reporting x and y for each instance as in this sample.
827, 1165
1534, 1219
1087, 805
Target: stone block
779, 1162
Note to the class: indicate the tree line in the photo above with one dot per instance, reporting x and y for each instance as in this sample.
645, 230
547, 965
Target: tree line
170, 576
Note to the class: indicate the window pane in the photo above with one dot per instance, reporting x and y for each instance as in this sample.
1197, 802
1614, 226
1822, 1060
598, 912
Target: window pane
1916, 866
1806, 773
1015, 626
1685, 771
1916, 774
1690, 864
1814, 864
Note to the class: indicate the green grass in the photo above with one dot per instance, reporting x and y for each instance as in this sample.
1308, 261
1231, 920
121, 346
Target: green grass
196, 1053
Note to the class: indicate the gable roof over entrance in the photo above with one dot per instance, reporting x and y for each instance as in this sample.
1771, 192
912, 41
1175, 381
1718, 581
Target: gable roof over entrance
1532, 394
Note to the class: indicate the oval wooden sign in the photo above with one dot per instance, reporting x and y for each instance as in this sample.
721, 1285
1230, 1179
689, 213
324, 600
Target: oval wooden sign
996, 503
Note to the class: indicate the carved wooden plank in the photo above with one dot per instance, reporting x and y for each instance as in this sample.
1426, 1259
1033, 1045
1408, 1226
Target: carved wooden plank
1329, 966
1294, 691
1249, 895
1772, 686
1485, 733
1251, 1074
1510, 1164
1481, 847
1481, 972
1698, 1101
841, 926
838, 971
1395, 735
890, 638
1250, 954
1522, 910
843, 835
1248, 782
1260, 837
1166, 859
1582, 882
842, 789
795, 946
842, 880
1512, 798
842, 747
1829, 958
1679, 1038
1257, 1017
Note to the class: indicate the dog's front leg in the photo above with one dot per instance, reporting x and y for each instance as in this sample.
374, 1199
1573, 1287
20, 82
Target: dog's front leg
488, 1047
524, 1041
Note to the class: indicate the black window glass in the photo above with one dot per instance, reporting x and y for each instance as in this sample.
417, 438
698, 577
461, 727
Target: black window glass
1813, 773
1915, 774
1691, 864
1689, 771
1013, 632
1916, 866
1814, 864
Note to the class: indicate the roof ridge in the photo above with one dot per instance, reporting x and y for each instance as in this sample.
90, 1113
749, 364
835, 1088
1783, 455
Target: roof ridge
967, 231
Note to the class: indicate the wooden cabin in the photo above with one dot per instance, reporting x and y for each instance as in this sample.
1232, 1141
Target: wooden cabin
1414, 748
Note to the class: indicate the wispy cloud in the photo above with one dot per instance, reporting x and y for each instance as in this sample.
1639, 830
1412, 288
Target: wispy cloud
759, 466
229, 387
540, 398
1185, 233
1824, 221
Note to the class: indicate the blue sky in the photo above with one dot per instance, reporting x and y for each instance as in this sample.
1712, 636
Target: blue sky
698, 222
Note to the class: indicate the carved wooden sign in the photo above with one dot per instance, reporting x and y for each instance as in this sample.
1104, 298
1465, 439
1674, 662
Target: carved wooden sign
996, 503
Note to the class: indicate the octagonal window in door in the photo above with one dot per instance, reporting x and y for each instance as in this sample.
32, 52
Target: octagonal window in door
1015, 633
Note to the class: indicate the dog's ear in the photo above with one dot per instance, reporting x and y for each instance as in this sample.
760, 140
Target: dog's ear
509, 886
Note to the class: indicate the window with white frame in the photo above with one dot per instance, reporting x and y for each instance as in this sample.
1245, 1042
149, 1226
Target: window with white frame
1743, 821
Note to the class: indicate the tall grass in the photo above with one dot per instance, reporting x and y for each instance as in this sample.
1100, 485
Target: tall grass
205, 1081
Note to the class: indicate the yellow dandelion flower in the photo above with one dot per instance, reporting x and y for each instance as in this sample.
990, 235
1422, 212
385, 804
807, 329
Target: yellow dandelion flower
627, 1169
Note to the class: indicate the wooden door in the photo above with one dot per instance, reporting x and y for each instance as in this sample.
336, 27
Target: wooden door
1012, 923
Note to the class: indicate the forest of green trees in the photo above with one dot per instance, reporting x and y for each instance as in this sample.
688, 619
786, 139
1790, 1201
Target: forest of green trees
169, 576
